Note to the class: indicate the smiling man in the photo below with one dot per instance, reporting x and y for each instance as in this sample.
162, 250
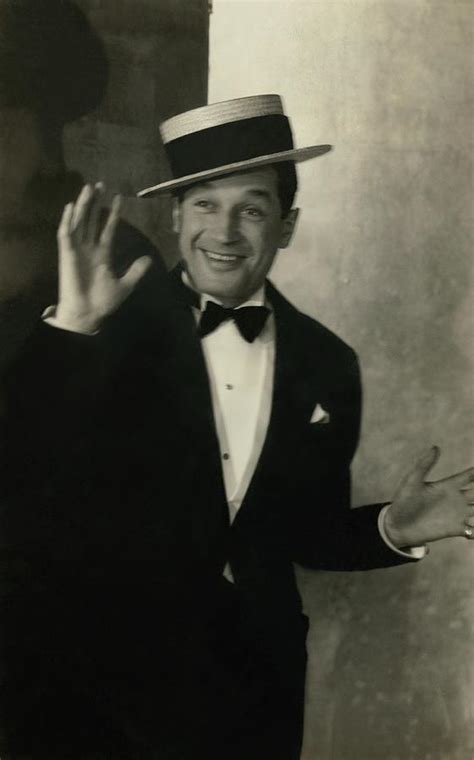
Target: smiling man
190, 441
230, 230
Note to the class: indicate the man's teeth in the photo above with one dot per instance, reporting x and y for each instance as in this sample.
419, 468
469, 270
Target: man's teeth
221, 256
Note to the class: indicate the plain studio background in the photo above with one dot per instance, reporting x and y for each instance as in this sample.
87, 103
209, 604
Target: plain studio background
382, 255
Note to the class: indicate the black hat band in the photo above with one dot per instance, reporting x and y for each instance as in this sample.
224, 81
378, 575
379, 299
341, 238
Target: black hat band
228, 143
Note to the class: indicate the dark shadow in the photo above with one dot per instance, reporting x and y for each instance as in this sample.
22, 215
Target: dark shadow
53, 70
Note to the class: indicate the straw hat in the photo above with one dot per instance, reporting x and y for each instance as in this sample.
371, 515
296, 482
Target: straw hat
226, 137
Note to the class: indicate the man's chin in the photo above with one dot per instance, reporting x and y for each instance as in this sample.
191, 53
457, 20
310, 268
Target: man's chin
213, 286
226, 297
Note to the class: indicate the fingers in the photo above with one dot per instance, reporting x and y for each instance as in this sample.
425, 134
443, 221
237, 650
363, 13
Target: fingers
111, 223
424, 464
81, 204
427, 461
81, 211
65, 223
468, 494
93, 225
467, 490
85, 220
464, 480
135, 272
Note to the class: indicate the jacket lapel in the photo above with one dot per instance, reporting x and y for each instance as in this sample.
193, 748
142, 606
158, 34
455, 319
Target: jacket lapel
295, 388
196, 427
295, 384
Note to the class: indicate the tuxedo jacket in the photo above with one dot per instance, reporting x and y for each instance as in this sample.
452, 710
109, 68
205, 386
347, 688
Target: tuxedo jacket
116, 531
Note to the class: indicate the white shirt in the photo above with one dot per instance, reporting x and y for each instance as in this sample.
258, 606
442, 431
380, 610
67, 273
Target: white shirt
241, 383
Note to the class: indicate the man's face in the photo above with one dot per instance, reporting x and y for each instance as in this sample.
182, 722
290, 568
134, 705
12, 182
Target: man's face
229, 230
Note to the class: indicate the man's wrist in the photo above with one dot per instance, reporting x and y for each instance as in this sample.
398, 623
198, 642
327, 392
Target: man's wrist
394, 541
84, 325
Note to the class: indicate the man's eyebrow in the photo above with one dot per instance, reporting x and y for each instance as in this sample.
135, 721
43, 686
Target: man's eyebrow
212, 184
264, 194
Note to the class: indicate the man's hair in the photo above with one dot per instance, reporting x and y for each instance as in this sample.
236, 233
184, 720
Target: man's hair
287, 185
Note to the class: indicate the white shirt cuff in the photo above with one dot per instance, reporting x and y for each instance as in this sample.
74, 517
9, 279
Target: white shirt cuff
411, 552
49, 316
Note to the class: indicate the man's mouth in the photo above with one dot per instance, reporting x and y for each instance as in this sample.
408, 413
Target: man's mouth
224, 257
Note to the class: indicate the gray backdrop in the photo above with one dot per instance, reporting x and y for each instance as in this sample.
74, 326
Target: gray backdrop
382, 256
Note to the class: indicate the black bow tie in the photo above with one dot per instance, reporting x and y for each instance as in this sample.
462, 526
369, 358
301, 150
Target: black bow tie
249, 319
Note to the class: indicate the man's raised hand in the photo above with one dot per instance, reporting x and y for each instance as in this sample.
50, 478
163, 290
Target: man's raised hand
89, 289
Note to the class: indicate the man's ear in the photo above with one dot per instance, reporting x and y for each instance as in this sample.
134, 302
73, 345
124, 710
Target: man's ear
176, 215
288, 227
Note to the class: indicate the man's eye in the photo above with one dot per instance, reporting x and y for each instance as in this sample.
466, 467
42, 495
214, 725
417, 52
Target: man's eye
201, 203
253, 213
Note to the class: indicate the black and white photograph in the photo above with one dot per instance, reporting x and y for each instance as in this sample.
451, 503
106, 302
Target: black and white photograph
236, 380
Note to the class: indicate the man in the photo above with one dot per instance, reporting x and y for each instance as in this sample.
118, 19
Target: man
190, 439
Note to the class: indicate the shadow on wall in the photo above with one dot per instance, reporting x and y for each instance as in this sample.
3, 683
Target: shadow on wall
124, 60
44, 84
158, 58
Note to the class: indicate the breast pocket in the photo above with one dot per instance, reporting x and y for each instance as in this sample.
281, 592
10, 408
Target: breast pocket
323, 442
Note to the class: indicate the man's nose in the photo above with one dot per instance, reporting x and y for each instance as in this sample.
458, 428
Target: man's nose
225, 227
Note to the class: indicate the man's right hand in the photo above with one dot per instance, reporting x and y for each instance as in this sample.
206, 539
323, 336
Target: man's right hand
89, 290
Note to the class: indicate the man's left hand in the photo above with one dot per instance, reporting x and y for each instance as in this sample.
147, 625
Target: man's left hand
429, 511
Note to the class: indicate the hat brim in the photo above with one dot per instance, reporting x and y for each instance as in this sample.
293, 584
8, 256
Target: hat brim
296, 154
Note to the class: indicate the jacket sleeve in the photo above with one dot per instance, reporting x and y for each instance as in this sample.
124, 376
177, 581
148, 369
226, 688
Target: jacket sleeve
58, 393
51, 392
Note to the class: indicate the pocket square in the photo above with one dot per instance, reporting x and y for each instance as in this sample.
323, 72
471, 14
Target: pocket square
320, 415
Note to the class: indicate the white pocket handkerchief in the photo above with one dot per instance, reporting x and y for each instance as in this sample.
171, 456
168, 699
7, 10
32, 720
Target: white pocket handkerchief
320, 415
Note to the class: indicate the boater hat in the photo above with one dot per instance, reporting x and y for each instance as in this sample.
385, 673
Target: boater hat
226, 137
